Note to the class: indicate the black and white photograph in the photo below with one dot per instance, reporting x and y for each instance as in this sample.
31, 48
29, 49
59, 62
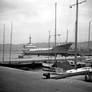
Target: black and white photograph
45, 45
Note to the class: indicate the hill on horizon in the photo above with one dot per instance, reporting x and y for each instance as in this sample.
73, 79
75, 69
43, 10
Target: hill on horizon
19, 47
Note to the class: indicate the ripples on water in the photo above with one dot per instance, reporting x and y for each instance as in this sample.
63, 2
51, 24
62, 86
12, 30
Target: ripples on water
15, 54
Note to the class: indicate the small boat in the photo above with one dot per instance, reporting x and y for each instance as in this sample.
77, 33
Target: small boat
47, 65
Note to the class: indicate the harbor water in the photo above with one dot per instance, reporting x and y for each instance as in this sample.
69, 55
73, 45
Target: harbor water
15, 54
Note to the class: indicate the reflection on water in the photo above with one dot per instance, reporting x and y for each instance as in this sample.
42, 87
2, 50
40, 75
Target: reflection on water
15, 54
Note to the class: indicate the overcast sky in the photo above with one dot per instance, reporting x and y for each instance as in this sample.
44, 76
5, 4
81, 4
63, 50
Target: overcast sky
36, 18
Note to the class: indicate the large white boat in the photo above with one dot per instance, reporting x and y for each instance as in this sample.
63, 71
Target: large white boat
30, 49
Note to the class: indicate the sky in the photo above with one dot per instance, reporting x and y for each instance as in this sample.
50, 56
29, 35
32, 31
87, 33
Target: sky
37, 18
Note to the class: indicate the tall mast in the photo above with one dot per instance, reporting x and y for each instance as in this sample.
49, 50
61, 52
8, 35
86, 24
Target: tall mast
30, 39
66, 40
3, 42
55, 26
76, 32
89, 38
49, 44
67, 36
76, 27
10, 43
55, 22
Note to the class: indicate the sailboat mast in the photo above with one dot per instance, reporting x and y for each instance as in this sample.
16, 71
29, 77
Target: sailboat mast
49, 45
55, 22
55, 26
49, 40
3, 42
10, 43
89, 38
67, 36
30, 39
76, 32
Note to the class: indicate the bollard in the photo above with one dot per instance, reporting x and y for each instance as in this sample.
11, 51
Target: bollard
47, 75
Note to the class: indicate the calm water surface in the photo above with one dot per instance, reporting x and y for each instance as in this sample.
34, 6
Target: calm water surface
15, 54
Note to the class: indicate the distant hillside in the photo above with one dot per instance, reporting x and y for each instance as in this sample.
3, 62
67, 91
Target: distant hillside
83, 45
14, 47
19, 47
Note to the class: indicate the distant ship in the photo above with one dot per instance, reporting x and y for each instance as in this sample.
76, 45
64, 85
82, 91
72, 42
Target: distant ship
30, 49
